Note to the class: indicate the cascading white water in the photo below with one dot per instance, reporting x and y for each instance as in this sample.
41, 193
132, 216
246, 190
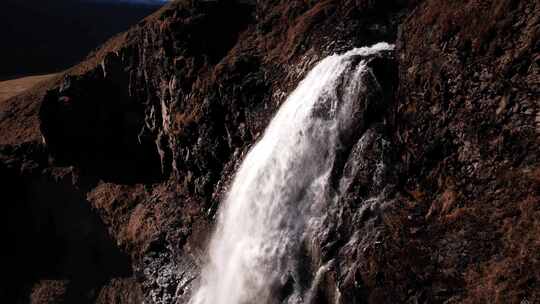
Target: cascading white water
281, 188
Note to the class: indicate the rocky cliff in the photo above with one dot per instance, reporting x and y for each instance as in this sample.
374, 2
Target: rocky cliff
113, 172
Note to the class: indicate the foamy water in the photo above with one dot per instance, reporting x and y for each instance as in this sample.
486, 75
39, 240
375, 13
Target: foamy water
280, 191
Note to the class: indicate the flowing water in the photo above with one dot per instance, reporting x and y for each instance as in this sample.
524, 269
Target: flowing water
280, 191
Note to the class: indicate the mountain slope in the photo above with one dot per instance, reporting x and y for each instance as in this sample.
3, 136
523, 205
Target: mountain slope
140, 141
15, 87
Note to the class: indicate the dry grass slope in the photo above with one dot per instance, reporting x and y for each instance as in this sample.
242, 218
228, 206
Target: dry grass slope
15, 87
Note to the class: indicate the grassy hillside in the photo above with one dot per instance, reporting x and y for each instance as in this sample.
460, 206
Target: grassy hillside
14, 87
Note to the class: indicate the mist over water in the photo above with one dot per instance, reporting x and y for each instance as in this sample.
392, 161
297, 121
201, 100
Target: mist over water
279, 194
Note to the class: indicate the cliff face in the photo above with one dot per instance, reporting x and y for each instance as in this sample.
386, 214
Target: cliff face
114, 172
468, 123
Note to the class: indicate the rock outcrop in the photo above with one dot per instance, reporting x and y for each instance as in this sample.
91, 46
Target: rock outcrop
114, 171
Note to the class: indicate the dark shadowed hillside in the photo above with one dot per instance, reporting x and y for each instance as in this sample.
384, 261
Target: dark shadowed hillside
49, 36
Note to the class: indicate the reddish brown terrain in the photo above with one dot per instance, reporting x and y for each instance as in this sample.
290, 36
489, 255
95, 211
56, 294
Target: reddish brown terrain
14, 87
112, 172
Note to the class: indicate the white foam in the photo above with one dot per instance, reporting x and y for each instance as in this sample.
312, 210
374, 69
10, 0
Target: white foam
280, 190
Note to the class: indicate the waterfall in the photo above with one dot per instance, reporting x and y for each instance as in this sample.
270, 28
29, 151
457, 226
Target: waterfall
280, 191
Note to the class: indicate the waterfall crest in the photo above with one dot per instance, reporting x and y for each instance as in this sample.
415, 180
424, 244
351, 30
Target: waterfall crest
280, 191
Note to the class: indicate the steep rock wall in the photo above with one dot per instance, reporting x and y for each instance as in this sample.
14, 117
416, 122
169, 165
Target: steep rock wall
467, 122
441, 187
